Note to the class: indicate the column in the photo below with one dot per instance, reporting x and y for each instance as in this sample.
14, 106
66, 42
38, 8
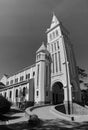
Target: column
70, 99
66, 99
14, 100
7, 94
27, 95
12, 95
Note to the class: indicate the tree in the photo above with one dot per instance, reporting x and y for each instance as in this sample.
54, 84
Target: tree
82, 75
4, 105
84, 91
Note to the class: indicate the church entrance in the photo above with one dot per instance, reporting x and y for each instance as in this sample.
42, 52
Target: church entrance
57, 93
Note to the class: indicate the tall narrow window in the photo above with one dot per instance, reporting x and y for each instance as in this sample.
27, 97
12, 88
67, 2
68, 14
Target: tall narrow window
21, 78
46, 75
53, 63
33, 74
28, 76
50, 36
37, 93
16, 92
11, 82
24, 92
7, 83
53, 34
16, 80
55, 46
38, 75
10, 95
58, 44
52, 47
59, 61
56, 62
57, 33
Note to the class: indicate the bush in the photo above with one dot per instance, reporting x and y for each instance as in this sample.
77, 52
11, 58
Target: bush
34, 120
4, 105
26, 104
29, 104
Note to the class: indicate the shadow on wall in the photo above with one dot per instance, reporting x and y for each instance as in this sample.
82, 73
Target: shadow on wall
61, 108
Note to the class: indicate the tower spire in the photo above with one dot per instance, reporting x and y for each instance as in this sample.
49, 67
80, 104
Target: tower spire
54, 21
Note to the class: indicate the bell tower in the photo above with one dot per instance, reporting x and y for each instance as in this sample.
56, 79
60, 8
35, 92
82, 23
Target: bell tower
53, 45
42, 76
63, 66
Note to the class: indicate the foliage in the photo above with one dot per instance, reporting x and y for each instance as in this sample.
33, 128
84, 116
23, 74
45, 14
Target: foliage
4, 105
82, 75
34, 120
26, 104
81, 72
84, 96
84, 93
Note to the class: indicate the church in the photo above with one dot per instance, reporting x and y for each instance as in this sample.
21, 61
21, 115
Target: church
53, 78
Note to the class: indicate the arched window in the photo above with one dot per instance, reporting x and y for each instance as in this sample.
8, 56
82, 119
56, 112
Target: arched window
16, 80
58, 44
10, 94
28, 76
16, 92
57, 33
24, 91
50, 36
33, 73
5, 94
53, 34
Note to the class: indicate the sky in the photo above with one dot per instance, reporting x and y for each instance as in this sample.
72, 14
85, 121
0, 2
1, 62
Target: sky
23, 24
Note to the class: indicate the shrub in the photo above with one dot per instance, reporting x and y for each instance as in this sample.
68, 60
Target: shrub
4, 105
26, 104
34, 120
34, 117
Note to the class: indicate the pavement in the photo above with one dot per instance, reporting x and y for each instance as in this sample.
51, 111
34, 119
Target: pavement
48, 112
44, 113
51, 121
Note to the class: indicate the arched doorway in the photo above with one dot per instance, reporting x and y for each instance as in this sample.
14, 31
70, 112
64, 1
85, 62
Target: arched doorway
57, 93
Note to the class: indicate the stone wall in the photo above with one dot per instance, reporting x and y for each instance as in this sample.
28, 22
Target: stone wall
79, 110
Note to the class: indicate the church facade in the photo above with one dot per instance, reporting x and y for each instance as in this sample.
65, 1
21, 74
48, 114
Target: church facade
53, 78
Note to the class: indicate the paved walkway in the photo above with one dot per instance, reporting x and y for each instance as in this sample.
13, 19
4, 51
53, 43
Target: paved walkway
51, 121
47, 113
44, 113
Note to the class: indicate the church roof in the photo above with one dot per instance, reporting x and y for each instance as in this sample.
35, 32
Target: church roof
42, 48
1, 85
